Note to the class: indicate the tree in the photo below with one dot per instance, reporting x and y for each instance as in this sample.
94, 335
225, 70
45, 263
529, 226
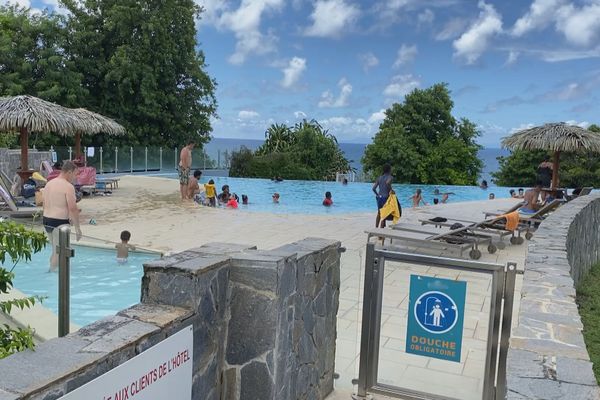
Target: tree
424, 143
306, 151
576, 169
17, 243
142, 66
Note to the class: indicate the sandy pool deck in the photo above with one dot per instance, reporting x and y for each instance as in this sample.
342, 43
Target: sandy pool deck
150, 208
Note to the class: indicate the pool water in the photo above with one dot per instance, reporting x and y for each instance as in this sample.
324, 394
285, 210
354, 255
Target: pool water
99, 285
306, 197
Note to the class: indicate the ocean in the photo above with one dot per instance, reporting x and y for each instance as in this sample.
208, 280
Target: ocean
353, 151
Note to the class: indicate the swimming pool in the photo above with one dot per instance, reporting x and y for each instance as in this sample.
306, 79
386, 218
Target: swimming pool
306, 197
99, 286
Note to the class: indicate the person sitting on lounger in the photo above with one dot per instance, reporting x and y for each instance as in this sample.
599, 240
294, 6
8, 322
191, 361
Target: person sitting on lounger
531, 201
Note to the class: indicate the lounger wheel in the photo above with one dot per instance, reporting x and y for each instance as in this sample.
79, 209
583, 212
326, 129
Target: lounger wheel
528, 235
492, 248
520, 240
514, 240
475, 254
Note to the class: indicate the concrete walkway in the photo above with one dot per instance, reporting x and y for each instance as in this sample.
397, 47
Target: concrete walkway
150, 209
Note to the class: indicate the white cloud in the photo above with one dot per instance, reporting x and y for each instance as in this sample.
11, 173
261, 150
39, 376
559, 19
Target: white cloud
540, 14
377, 117
248, 114
328, 99
244, 22
406, 54
512, 58
581, 26
212, 10
583, 124
20, 3
388, 10
293, 71
474, 41
566, 55
426, 17
400, 86
368, 61
452, 29
331, 17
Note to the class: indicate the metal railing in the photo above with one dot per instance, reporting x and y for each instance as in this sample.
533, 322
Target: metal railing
65, 252
142, 159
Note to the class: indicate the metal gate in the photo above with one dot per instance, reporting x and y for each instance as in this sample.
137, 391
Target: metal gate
450, 349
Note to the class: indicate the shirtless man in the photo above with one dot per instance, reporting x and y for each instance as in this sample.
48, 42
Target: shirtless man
417, 199
193, 187
60, 207
185, 164
530, 201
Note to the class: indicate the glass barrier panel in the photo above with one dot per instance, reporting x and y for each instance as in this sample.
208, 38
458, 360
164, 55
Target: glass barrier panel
93, 157
138, 159
170, 158
451, 365
154, 154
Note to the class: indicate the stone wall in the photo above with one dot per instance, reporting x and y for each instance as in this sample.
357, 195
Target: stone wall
264, 326
11, 159
547, 358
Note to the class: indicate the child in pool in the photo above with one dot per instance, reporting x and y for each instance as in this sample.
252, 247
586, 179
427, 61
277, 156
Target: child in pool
327, 201
124, 247
211, 193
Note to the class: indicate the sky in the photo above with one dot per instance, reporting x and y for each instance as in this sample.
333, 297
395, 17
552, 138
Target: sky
509, 64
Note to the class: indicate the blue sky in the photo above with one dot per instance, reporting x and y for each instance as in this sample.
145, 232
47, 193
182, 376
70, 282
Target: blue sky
509, 64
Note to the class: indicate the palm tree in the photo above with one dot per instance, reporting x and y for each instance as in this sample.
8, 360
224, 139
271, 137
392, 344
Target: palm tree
278, 138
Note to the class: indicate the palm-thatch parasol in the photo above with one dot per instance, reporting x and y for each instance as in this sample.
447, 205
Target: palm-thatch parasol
96, 123
28, 114
556, 137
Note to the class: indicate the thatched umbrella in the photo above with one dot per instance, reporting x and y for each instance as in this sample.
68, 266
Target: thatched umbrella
28, 114
556, 137
96, 123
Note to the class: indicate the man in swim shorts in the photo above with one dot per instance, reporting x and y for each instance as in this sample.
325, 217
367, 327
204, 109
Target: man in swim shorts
384, 185
60, 207
185, 164
531, 201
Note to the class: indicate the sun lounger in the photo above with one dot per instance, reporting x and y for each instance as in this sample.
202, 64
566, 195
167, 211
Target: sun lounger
455, 241
9, 207
113, 183
499, 212
497, 234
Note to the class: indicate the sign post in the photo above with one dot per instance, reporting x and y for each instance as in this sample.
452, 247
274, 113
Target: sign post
435, 317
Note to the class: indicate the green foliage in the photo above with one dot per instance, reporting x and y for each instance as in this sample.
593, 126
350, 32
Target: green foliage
575, 170
142, 66
424, 143
588, 300
305, 151
134, 61
16, 243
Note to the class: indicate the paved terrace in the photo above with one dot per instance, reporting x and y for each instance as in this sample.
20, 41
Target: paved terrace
149, 207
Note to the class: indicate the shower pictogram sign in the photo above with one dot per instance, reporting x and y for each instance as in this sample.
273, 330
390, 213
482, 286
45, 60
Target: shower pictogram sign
435, 317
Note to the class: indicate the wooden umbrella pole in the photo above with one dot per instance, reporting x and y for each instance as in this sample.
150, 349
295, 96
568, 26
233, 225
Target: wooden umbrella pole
24, 149
78, 145
555, 165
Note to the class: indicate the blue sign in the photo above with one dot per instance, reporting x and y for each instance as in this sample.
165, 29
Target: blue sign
435, 317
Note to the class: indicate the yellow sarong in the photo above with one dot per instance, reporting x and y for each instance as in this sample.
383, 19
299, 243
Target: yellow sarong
390, 208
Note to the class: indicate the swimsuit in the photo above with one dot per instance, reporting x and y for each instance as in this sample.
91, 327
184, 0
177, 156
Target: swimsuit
51, 223
184, 176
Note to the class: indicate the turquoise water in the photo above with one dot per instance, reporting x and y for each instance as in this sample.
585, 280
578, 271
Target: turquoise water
99, 286
306, 197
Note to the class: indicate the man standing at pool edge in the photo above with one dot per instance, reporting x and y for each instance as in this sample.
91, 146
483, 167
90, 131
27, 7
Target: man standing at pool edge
384, 184
185, 165
60, 207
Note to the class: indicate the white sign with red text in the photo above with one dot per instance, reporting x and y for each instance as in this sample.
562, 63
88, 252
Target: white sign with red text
164, 371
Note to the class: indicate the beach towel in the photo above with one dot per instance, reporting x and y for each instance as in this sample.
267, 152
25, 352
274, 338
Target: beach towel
391, 208
512, 220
